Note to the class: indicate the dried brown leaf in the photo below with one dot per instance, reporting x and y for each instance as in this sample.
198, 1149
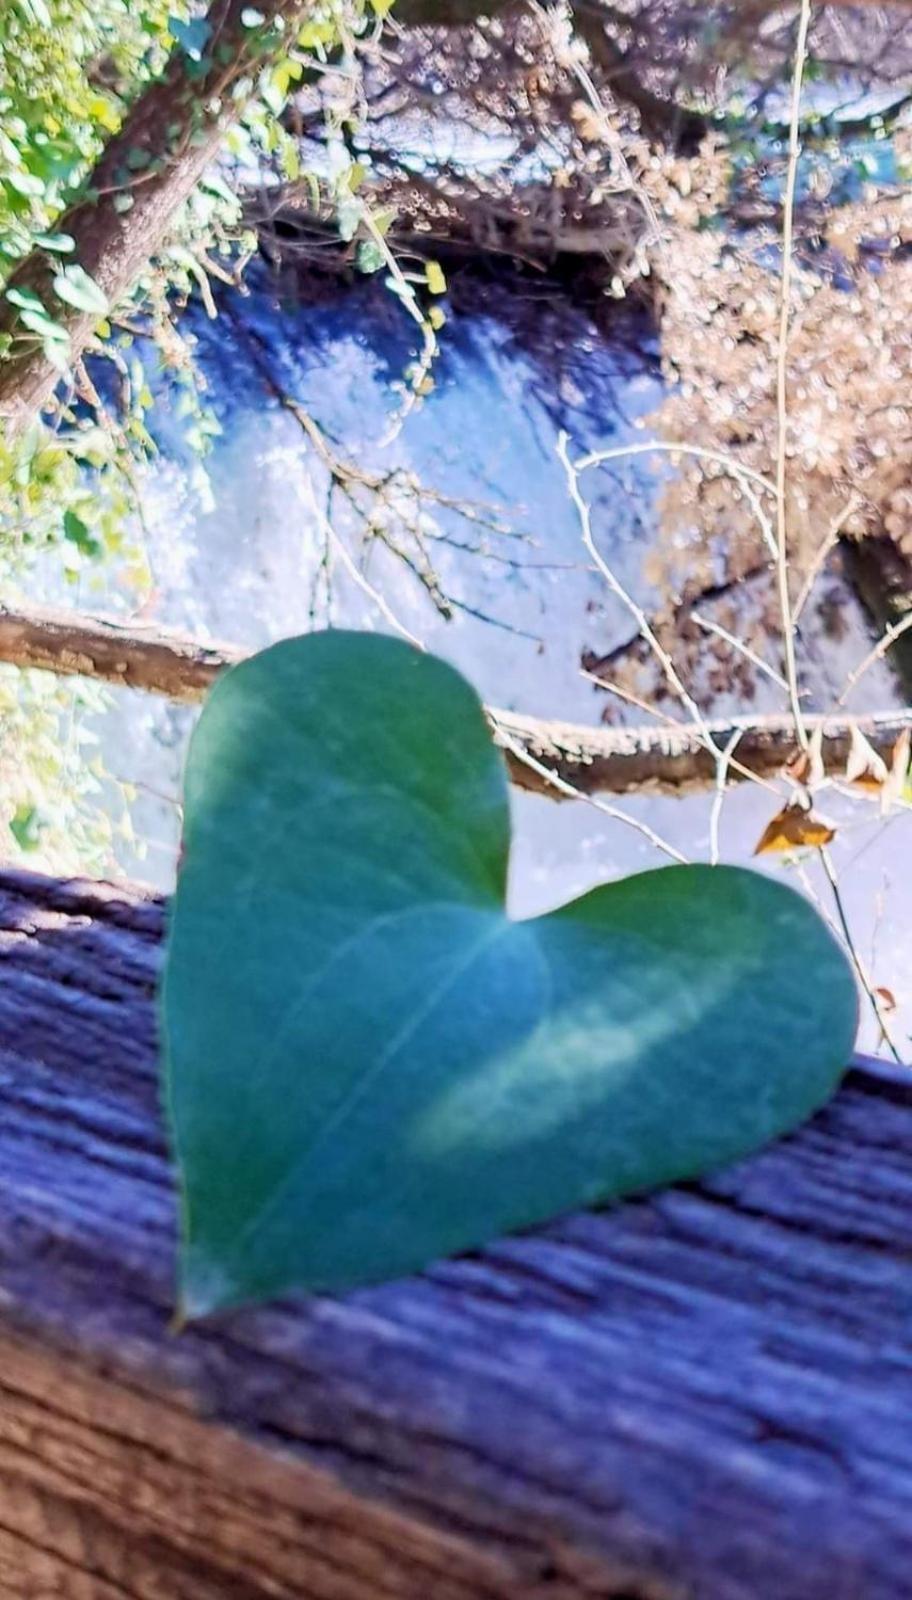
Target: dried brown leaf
865, 769
895, 785
794, 828
805, 767
886, 997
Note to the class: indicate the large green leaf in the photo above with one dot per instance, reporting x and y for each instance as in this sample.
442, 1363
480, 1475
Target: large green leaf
371, 1065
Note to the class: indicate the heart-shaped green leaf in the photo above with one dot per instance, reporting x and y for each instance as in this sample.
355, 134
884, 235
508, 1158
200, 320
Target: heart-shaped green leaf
371, 1065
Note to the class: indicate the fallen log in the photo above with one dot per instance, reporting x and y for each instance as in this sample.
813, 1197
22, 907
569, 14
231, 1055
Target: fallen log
131, 654
703, 1395
676, 759
672, 758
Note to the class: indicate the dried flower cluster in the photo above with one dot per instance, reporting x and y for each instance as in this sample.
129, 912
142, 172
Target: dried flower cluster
848, 443
849, 368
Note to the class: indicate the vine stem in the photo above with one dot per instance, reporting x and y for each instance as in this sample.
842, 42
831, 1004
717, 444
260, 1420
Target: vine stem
782, 413
861, 973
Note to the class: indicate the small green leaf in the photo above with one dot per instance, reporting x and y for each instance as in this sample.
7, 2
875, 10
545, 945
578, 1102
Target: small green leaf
79, 534
75, 286
26, 826
38, 12
26, 299
370, 257
26, 184
290, 158
348, 216
57, 354
371, 1064
213, 184
60, 243
436, 277
39, 322
191, 36
273, 96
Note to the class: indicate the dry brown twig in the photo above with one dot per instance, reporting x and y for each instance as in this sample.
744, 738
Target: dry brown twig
817, 564
595, 458
884, 644
755, 487
782, 416
715, 816
570, 792
782, 532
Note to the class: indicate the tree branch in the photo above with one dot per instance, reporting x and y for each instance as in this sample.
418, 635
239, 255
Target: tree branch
592, 759
126, 653
675, 759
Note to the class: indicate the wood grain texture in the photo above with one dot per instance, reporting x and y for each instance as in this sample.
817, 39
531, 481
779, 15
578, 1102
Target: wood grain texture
706, 1395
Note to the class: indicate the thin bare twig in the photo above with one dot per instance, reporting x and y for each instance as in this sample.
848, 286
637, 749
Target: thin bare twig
742, 648
647, 632
715, 816
335, 540
823, 550
747, 480
884, 643
670, 721
782, 415
665, 447
567, 789
863, 978
634, 700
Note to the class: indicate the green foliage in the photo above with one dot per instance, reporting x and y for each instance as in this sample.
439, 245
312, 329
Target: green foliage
192, 36
58, 808
370, 1065
68, 69
69, 72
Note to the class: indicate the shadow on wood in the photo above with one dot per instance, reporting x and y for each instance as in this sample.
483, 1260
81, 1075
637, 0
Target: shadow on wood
705, 1395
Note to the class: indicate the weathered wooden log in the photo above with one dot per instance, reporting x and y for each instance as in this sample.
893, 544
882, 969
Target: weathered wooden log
676, 759
138, 655
704, 1395
672, 759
